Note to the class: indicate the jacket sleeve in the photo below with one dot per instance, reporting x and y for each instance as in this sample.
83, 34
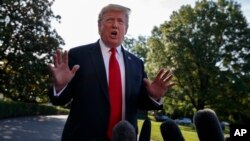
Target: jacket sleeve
66, 96
145, 102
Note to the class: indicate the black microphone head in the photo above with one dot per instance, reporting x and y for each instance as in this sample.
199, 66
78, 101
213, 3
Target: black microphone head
170, 131
123, 131
145, 133
208, 126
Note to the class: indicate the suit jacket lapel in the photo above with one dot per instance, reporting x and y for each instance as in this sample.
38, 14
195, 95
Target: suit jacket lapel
99, 67
128, 68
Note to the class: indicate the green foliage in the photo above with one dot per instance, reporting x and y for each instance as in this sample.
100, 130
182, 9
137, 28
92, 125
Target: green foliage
208, 49
27, 42
10, 109
137, 46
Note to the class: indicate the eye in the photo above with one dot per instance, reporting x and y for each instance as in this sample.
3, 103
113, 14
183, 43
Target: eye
109, 20
121, 21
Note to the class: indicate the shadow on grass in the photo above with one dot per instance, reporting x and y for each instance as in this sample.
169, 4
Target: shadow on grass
42, 128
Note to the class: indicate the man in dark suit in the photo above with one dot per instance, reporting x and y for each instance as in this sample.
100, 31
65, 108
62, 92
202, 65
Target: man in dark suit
84, 77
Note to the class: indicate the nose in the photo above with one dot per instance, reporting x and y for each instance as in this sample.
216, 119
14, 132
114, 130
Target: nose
115, 24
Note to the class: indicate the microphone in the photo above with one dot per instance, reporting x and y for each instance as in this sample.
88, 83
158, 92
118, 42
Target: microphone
170, 131
145, 133
208, 126
123, 131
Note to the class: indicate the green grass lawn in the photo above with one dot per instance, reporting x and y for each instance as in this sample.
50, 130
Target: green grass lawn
188, 132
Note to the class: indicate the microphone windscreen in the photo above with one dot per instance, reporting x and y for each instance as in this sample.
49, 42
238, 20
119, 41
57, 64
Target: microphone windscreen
145, 133
208, 126
170, 131
123, 131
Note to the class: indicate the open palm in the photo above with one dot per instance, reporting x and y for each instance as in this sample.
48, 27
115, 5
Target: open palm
160, 84
60, 71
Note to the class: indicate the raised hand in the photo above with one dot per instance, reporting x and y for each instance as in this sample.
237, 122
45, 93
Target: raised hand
160, 84
60, 71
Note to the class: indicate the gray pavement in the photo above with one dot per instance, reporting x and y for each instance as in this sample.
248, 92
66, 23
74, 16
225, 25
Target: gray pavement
37, 128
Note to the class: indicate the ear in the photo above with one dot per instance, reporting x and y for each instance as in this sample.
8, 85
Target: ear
99, 28
126, 29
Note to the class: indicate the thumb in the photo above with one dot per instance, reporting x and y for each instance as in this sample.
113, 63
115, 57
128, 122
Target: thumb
50, 67
146, 82
75, 68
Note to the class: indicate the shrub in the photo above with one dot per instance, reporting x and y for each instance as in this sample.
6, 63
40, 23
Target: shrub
15, 109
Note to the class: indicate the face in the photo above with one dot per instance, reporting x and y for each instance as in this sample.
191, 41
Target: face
112, 28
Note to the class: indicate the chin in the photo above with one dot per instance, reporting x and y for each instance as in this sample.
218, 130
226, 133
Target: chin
114, 43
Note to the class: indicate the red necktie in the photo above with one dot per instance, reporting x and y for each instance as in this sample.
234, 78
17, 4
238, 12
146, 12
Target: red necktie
115, 92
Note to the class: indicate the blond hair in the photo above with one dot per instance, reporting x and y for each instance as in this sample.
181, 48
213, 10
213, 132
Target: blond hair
114, 7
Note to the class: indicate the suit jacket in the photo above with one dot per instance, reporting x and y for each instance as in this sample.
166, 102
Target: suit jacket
88, 93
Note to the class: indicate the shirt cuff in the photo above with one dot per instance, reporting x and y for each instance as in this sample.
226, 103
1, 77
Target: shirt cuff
158, 102
59, 93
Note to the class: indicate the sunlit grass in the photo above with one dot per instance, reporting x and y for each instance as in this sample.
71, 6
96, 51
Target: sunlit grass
188, 132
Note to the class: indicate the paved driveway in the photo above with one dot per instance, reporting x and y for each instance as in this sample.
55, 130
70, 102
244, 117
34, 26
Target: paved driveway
37, 128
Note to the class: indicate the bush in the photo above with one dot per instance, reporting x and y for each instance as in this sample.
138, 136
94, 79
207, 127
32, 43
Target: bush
15, 109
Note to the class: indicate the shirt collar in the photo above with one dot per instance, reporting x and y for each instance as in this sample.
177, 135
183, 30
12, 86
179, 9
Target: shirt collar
106, 49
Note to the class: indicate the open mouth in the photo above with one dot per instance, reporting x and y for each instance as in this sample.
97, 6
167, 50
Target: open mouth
114, 34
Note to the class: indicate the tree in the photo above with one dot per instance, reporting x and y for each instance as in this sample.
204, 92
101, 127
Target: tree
137, 45
208, 48
27, 42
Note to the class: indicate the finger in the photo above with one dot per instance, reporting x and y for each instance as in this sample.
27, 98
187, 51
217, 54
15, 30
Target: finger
59, 56
170, 85
75, 69
158, 77
55, 60
65, 57
166, 80
165, 75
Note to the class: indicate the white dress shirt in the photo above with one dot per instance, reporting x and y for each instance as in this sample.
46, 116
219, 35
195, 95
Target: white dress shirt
106, 53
